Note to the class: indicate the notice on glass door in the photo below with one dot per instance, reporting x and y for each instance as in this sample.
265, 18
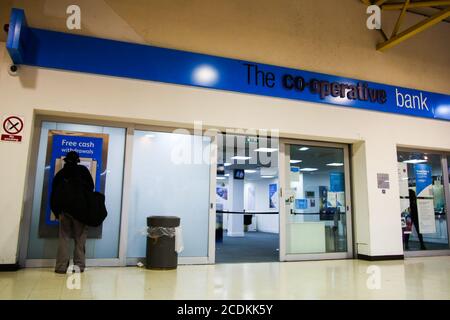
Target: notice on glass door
424, 180
425, 209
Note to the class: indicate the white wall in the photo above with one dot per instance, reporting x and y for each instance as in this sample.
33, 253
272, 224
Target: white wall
235, 222
265, 222
374, 136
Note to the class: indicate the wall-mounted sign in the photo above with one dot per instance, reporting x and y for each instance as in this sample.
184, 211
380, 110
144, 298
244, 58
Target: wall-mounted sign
301, 204
56, 50
222, 192
383, 181
337, 183
12, 128
273, 195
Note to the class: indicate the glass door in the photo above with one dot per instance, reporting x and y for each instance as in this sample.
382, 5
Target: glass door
424, 196
315, 215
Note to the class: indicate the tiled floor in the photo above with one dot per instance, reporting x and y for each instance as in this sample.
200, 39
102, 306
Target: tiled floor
413, 278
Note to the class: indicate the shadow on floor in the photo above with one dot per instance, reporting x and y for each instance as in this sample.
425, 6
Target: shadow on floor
253, 247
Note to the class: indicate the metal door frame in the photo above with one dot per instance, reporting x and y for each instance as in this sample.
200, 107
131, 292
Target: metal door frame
446, 185
284, 179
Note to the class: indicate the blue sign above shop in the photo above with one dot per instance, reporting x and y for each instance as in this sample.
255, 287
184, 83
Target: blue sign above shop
50, 49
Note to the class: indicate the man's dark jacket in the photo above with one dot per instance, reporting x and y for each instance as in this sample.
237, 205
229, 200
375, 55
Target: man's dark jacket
70, 188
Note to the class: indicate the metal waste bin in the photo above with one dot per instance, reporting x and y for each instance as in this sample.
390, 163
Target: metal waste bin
161, 252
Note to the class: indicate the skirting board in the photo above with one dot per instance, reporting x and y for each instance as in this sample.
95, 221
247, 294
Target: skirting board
380, 258
9, 267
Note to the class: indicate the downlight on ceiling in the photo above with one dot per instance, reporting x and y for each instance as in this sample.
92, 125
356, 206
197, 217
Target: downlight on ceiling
335, 164
240, 158
266, 150
415, 161
309, 169
295, 161
303, 148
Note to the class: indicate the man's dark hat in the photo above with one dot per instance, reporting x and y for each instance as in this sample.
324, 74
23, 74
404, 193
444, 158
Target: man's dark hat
72, 157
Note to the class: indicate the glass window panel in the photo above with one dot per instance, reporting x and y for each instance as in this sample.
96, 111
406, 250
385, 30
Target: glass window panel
163, 184
316, 222
44, 247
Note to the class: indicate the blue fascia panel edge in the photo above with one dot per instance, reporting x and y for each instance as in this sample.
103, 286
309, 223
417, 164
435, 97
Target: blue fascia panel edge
50, 49
17, 35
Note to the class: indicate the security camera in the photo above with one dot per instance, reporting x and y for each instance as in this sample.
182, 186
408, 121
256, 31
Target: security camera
13, 70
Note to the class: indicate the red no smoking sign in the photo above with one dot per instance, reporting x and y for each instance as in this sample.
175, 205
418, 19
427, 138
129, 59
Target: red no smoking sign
12, 128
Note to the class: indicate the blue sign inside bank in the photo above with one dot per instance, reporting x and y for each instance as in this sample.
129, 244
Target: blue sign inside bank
50, 49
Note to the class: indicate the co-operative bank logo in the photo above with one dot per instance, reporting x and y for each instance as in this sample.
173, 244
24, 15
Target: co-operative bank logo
324, 89
411, 101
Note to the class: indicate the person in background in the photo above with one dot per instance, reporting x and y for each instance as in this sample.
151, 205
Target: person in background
415, 220
69, 204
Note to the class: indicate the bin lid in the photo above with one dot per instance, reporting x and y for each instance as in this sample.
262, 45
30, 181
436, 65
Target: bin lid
163, 221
